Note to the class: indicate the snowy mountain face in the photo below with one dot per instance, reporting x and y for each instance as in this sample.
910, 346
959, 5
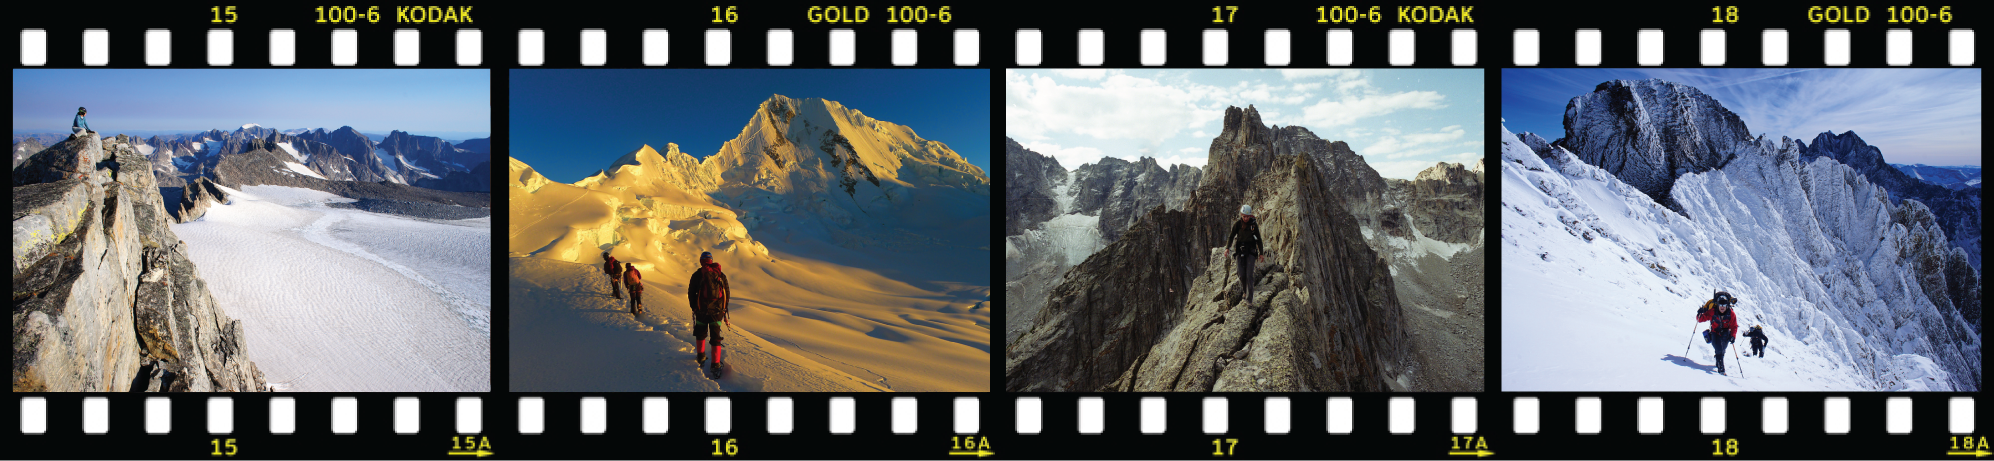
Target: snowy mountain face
1082, 211
1857, 290
1957, 211
1649, 132
858, 250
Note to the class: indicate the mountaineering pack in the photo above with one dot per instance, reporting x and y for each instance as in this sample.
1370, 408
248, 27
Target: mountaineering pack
709, 286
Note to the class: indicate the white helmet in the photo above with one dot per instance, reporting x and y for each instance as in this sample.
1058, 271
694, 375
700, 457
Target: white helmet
1246, 210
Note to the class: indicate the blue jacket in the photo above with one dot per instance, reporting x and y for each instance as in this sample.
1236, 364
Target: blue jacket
80, 122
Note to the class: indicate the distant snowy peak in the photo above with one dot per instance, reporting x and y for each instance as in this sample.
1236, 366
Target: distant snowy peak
252, 125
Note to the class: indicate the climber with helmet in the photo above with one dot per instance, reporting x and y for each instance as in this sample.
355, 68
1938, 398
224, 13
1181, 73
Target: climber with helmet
1245, 237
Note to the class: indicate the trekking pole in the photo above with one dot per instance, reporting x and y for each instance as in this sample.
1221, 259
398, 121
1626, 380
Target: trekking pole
1692, 341
1741, 362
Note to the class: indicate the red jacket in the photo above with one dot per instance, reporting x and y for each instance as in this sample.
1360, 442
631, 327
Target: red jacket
610, 266
1726, 324
631, 276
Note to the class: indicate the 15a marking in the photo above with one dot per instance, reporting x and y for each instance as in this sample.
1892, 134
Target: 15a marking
470, 445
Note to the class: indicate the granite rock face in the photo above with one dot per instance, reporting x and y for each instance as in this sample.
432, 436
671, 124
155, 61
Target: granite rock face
1650, 132
1055, 218
105, 299
1152, 310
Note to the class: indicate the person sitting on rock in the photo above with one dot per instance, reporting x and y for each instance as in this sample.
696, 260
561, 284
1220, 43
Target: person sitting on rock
80, 128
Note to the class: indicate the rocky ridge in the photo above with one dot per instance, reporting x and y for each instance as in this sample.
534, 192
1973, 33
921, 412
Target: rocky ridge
105, 298
1328, 319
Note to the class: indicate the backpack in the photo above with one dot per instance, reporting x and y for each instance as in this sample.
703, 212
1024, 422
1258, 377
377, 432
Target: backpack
609, 266
710, 288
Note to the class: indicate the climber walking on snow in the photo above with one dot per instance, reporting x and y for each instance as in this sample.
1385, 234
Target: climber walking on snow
635, 281
1723, 324
708, 293
610, 267
1245, 237
1759, 341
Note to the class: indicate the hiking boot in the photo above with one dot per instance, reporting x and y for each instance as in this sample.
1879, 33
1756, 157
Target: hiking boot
702, 358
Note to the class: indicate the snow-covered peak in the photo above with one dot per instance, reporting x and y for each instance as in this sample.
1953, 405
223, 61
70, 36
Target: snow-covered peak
252, 125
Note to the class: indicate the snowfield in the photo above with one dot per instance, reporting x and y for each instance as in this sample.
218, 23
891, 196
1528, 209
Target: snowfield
880, 288
342, 300
1601, 284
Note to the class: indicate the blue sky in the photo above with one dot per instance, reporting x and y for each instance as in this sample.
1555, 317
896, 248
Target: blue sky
569, 123
1401, 120
1929, 116
419, 101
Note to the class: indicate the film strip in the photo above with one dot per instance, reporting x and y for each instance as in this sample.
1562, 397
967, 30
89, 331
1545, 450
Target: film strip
998, 424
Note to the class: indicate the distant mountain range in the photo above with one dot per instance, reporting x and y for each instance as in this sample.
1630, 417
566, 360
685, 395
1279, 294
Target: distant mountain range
1950, 177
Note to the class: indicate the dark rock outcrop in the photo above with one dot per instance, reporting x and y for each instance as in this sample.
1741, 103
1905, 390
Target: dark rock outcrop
1650, 132
196, 199
1445, 203
105, 298
1028, 192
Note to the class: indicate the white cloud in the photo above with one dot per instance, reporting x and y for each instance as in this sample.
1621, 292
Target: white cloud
1307, 86
1354, 108
1339, 74
1068, 157
1189, 150
1395, 145
1400, 169
1083, 74
1200, 134
1123, 107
